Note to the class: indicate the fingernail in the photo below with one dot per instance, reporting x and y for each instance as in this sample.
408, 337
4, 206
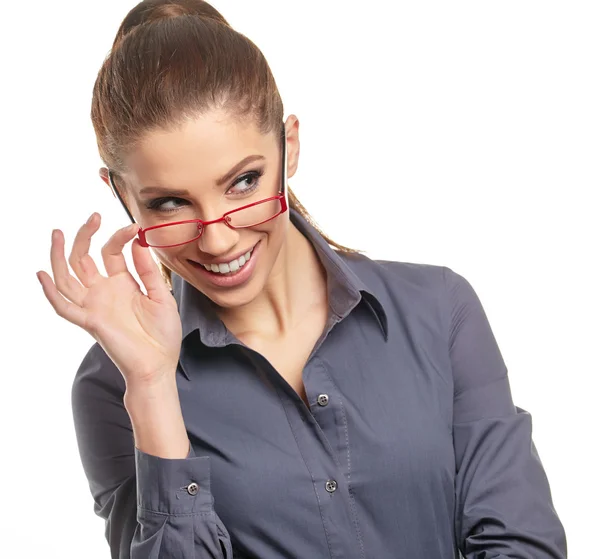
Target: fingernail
54, 234
90, 218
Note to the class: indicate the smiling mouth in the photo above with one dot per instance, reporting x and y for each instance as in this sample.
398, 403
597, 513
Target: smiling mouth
229, 268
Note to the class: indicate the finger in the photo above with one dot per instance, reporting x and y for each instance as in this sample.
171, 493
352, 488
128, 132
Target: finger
65, 309
65, 282
112, 251
81, 262
149, 273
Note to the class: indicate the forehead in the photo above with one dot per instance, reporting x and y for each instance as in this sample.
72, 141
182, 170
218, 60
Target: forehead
203, 148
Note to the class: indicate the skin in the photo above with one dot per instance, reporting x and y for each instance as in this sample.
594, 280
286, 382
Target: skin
192, 158
280, 311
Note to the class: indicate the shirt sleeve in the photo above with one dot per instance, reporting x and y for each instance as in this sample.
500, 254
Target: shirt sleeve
504, 506
153, 507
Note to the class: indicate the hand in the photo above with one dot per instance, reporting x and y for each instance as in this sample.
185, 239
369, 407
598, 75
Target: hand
140, 333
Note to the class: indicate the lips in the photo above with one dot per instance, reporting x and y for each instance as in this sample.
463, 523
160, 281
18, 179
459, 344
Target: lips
231, 266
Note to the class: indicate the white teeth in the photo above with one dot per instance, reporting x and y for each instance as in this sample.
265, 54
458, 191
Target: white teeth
232, 266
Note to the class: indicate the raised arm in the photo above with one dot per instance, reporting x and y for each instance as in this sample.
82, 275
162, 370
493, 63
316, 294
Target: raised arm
153, 493
504, 505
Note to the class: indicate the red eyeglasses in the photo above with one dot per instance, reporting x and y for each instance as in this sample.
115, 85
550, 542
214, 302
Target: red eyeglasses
179, 233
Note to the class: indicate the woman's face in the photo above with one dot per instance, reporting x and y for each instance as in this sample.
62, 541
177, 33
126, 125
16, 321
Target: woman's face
205, 168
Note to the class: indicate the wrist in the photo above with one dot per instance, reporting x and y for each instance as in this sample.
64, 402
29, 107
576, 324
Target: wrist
157, 419
159, 390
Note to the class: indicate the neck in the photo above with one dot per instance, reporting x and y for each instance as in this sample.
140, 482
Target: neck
296, 286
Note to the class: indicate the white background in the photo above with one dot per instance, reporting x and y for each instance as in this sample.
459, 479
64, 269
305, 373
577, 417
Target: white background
464, 134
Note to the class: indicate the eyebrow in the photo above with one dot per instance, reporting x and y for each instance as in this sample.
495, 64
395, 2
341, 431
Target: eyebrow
220, 182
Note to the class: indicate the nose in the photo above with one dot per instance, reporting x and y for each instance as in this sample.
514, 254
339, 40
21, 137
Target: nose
217, 239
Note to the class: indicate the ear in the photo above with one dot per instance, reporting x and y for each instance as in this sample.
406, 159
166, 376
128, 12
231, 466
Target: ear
292, 126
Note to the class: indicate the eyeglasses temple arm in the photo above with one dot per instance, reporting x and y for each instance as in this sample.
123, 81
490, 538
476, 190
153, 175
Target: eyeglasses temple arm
283, 161
116, 193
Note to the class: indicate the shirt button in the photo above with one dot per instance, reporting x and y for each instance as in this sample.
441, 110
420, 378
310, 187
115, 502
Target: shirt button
323, 400
192, 488
331, 485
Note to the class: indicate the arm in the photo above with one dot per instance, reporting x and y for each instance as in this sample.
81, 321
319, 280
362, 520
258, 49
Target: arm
504, 507
140, 485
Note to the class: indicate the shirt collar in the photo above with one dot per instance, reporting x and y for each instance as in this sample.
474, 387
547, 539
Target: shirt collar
345, 291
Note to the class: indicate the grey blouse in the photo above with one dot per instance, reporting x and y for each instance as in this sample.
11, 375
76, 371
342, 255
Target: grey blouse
411, 446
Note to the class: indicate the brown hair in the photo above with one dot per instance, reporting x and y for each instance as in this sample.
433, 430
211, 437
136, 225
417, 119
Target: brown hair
170, 61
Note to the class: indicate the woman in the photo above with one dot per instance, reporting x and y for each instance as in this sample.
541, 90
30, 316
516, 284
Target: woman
284, 399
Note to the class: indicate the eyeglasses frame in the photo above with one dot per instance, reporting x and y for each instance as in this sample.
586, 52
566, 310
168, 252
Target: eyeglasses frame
282, 197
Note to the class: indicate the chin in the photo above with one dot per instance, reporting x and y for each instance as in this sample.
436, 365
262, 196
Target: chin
231, 300
227, 292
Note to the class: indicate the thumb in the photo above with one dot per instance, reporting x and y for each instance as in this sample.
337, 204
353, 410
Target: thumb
149, 273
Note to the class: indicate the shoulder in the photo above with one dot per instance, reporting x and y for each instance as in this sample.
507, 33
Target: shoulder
398, 276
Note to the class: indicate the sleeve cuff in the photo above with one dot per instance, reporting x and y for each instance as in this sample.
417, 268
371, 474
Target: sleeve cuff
164, 485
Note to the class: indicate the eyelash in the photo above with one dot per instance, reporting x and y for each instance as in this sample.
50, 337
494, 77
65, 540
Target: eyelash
155, 205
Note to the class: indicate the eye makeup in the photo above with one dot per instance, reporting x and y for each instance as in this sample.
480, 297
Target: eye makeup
253, 177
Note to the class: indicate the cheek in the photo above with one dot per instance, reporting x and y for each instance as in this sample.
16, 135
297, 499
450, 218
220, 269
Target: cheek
275, 232
169, 257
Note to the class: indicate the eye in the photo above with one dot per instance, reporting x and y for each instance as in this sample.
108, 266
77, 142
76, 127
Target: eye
247, 183
166, 204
